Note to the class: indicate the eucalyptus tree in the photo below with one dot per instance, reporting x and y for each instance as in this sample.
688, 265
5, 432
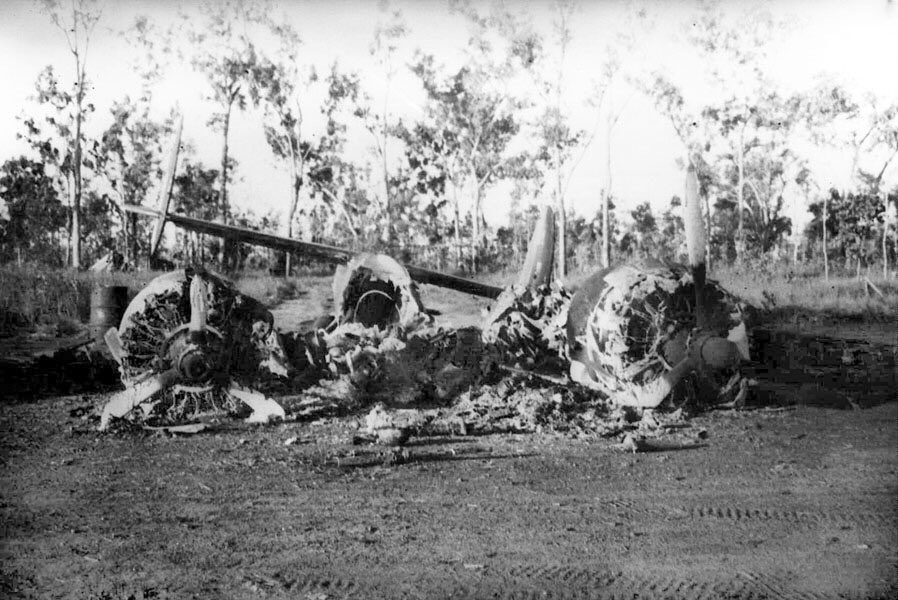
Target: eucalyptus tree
50, 128
221, 48
280, 85
77, 21
474, 123
473, 110
34, 216
389, 34
739, 115
129, 157
838, 119
545, 60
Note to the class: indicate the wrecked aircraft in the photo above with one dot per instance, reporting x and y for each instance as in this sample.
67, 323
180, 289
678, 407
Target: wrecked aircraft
190, 341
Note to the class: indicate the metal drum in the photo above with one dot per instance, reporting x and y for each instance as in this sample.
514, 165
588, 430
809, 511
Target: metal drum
107, 305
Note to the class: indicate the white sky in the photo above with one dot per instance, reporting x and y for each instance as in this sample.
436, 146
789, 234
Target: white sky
854, 42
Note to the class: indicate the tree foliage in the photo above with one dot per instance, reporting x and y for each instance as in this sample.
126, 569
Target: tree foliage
35, 218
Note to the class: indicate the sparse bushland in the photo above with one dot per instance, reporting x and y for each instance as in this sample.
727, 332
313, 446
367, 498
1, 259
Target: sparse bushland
36, 296
783, 291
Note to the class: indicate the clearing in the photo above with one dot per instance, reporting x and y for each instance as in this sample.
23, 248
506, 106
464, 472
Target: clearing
795, 501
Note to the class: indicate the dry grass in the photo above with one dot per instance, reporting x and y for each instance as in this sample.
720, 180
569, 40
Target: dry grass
791, 291
781, 292
270, 290
35, 295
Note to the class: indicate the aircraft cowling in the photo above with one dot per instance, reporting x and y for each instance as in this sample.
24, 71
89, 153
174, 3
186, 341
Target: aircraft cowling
630, 325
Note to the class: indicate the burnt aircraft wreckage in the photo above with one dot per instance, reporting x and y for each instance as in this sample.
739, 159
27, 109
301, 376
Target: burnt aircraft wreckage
190, 341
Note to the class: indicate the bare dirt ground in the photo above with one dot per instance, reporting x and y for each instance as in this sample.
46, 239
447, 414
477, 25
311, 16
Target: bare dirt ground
799, 502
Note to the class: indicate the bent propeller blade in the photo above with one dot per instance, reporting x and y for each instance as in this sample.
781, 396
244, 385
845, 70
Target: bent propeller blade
199, 306
121, 403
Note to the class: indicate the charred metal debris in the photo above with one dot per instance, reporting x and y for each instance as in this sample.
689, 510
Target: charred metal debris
191, 347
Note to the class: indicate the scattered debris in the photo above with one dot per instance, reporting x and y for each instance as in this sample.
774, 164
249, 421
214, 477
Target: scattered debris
527, 325
36, 370
190, 429
392, 428
634, 443
264, 409
519, 405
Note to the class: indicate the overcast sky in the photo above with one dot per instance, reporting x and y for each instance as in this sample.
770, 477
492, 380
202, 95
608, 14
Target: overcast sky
853, 42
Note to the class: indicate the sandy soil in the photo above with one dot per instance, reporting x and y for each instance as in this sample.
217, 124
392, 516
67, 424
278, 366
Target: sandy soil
799, 502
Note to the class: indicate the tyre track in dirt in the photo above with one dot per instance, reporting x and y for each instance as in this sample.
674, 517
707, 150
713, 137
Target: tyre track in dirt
750, 516
562, 582
776, 586
786, 473
566, 582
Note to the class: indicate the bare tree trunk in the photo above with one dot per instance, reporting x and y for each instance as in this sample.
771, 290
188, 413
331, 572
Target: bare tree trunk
475, 232
388, 205
69, 227
606, 255
297, 168
885, 234
294, 201
132, 244
825, 253
223, 192
707, 212
76, 171
290, 215
740, 196
561, 230
225, 217
458, 262
885, 253
561, 263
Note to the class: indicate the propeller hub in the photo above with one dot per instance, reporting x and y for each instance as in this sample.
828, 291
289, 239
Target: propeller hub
194, 365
